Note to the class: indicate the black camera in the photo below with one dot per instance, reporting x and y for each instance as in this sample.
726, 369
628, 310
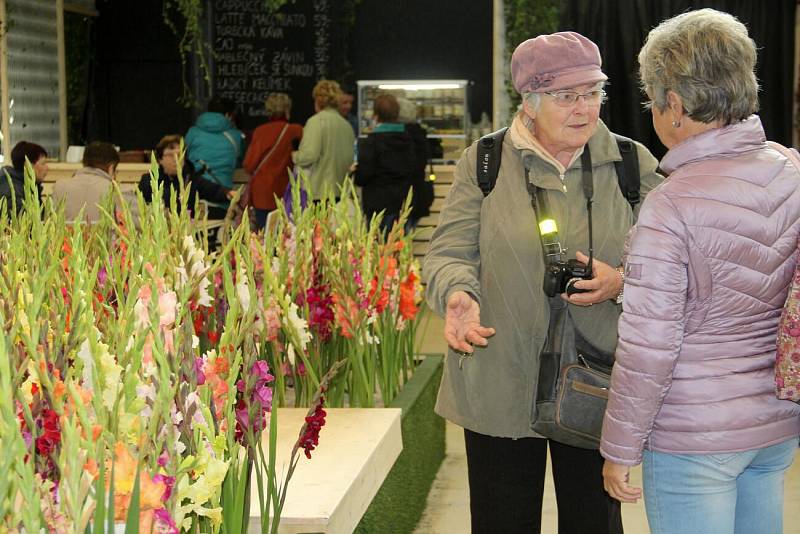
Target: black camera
560, 277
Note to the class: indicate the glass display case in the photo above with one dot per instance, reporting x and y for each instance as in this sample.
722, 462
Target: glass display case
441, 109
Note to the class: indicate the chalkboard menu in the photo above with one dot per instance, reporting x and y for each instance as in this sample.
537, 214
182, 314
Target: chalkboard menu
257, 53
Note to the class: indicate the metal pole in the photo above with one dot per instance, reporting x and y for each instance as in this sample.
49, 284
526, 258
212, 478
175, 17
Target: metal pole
62, 82
500, 102
4, 97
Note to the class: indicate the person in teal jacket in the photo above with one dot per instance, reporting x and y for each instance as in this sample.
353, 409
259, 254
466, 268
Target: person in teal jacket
214, 145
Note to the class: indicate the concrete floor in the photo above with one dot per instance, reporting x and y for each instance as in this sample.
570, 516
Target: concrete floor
447, 511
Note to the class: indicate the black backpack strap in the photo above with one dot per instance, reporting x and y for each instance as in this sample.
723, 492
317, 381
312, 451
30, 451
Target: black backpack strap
628, 169
490, 151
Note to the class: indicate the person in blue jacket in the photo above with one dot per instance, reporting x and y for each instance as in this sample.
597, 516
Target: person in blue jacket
214, 146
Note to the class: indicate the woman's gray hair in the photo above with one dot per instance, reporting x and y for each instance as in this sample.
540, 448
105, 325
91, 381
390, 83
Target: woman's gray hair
408, 110
533, 100
707, 58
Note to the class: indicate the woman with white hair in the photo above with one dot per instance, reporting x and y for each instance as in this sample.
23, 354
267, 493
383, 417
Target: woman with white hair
485, 272
707, 271
422, 189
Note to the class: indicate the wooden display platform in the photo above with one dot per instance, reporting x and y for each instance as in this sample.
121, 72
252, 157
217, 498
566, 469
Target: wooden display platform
330, 492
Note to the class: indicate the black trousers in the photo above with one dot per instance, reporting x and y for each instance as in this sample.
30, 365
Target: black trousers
506, 487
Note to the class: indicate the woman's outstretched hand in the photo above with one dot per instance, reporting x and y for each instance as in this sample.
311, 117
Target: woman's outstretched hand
462, 326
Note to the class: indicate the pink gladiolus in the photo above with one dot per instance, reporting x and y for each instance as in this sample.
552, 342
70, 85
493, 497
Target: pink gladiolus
272, 321
263, 394
102, 276
167, 304
164, 524
261, 370
168, 482
198, 371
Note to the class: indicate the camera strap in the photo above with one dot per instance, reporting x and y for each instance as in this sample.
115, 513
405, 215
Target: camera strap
551, 244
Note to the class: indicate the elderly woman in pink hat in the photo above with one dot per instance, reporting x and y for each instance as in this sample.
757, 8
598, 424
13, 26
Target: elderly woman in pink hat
708, 270
486, 271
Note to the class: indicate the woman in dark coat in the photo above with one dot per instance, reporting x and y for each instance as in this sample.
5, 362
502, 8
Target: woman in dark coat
386, 162
423, 188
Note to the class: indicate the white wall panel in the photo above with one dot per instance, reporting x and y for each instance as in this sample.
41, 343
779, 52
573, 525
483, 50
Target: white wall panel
32, 71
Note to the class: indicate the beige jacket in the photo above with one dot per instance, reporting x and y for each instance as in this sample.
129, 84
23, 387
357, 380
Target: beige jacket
490, 247
88, 188
326, 151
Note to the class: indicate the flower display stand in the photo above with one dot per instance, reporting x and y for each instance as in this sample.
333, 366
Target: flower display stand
331, 491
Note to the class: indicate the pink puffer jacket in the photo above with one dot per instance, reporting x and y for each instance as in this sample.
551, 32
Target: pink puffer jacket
708, 269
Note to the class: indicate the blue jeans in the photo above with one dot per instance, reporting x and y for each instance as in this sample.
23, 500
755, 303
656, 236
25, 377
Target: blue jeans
731, 493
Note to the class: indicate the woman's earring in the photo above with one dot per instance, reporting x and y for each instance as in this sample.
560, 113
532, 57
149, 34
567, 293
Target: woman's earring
676, 124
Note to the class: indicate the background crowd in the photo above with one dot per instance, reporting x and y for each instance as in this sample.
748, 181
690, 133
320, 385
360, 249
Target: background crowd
392, 160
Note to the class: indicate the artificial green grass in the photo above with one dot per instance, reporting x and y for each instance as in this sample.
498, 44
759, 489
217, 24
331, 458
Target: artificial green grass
398, 505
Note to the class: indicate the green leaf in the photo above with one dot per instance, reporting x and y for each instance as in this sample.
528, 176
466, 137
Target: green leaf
110, 505
241, 499
132, 524
100, 490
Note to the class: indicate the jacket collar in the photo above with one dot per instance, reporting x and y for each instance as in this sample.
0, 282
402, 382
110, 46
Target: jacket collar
601, 145
96, 172
15, 175
720, 142
390, 127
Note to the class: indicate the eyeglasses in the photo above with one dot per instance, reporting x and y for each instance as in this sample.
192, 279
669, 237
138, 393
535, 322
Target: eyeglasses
566, 99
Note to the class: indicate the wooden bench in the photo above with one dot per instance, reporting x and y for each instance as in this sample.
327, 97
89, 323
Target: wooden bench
444, 180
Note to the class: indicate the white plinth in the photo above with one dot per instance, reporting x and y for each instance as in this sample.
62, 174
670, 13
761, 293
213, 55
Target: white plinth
331, 491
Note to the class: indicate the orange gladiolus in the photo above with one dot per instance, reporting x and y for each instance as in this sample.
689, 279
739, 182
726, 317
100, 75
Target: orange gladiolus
345, 316
408, 308
221, 365
59, 389
150, 493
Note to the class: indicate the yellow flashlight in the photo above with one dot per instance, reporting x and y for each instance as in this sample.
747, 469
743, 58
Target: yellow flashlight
548, 226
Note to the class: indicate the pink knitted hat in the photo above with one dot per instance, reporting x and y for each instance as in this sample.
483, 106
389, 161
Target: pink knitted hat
557, 61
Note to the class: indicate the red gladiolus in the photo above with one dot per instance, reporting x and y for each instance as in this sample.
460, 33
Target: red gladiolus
320, 309
314, 423
51, 435
213, 337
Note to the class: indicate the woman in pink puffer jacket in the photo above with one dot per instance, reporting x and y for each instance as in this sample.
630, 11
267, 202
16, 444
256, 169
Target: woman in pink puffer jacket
708, 269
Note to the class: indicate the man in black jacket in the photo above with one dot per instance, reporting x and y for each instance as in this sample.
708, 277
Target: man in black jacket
167, 152
386, 161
